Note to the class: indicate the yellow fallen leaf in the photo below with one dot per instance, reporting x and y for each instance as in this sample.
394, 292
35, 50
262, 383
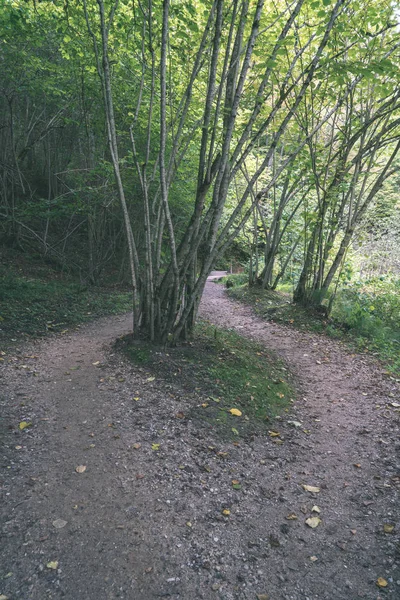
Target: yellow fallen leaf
313, 522
226, 512
205, 404
188, 524
235, 431
155, 447
380, 582
80, 468
53, 564
24, 425
311, 488
388, 528
291, 517
236, 412
316, 509
273, 433
150, 379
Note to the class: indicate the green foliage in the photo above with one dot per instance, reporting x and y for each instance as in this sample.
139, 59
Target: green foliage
235, 280
371, 312
232, 371
33, 306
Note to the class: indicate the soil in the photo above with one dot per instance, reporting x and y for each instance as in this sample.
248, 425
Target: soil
145, 519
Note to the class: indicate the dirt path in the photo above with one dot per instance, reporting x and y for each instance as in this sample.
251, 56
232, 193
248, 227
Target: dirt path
144, 521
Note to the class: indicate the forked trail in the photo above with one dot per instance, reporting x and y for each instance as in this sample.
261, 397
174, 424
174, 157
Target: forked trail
144, 520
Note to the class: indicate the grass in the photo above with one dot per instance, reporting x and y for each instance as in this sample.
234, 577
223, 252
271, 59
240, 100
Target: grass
34, 306
229, 371
367, 321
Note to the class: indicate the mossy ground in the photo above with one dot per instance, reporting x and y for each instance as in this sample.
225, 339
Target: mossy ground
33, 304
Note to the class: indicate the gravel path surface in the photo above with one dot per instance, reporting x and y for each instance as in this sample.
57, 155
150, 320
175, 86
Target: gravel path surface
145, 518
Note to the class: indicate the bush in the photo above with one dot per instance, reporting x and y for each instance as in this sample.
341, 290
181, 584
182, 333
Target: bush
371, 311
235, 280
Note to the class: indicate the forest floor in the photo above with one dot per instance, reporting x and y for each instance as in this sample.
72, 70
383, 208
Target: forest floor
110, 491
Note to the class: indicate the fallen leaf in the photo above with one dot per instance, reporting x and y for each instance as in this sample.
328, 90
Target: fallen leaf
236, 486
316, 509
59, 523
205, 404
18, 447
273, 433
295, 423
136, 446
53, 564
150, 379
24, 424
3, 597
235, 431
188, 524
236, 412
311, 488
388, 528
357, 465
155, 447
395, 404
291, 517
313, 522
380, 582
226, 512
353, 531
262, 597
96, 363
80, 468
313, 558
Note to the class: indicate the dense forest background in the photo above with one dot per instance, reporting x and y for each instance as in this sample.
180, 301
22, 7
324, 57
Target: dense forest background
146, 143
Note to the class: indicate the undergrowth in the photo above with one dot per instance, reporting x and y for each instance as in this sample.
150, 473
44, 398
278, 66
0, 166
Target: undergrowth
228, 370
32, 306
